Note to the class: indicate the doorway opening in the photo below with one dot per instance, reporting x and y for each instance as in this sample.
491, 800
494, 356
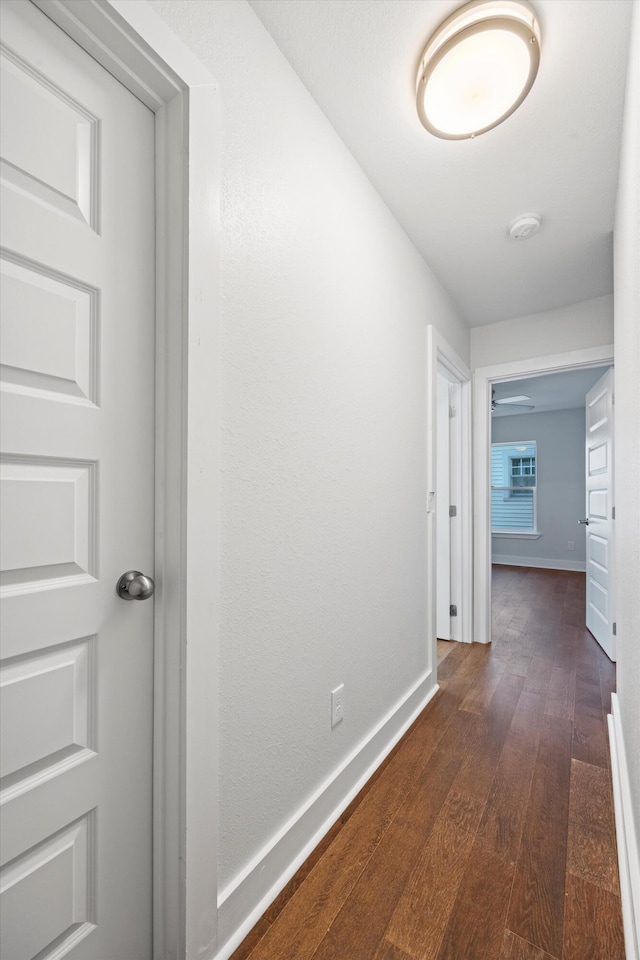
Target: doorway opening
507, 381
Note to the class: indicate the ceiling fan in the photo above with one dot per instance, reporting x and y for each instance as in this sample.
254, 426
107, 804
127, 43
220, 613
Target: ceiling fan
516, 404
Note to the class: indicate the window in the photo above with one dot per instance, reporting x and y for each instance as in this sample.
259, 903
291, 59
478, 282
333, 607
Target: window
522, 471
513, 487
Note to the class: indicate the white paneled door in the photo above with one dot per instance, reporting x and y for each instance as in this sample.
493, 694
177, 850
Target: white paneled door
443, 522
77, 384
599, 512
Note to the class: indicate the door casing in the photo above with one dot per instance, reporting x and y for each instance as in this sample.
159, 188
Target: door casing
483, 380
130, 40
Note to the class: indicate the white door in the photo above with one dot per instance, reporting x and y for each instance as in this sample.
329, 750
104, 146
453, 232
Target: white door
455, 501
599, 512
448, 503
77, 381
443, 524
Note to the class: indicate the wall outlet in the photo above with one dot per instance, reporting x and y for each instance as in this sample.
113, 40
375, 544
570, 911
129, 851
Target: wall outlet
337, 705
571, 545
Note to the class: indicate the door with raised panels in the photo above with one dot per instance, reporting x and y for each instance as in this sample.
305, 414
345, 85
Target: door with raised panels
599, 512
443, 522
77, 409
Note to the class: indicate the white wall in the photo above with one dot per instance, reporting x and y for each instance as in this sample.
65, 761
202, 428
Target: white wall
577, 327
560, 440
324, 307
627, 453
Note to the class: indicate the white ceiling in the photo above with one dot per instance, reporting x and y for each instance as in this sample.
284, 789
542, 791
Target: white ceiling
556, 156
552, 391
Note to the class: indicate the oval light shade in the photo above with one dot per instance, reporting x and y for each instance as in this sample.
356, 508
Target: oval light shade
477, 68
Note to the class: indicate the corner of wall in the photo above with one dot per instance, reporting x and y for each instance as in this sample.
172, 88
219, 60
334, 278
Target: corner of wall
628, 854
244, 900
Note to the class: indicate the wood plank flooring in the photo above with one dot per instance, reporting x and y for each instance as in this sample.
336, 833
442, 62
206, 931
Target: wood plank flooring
488, 833
444, 647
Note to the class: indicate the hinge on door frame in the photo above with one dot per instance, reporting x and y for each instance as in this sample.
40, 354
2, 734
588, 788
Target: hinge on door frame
613, 513
452, 412
453, 511
614, 628
453, 610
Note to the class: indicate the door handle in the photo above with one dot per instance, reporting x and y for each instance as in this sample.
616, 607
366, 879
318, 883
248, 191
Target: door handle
133, 585
586, 522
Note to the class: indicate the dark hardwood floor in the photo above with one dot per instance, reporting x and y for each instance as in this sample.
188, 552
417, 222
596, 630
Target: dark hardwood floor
488, 833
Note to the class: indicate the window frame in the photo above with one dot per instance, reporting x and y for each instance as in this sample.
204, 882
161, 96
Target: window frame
513, 491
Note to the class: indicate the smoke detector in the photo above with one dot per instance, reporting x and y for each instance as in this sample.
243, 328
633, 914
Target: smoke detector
524, 227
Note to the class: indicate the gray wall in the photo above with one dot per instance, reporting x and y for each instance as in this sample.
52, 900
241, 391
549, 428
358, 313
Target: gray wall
577, 327
561, 500
324, 304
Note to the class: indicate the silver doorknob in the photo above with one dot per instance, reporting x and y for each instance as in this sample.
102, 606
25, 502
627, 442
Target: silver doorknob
133, 585
586, 522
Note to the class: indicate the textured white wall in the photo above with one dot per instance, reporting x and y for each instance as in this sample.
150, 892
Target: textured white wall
577, 327
627, 453
561, 499
324, 306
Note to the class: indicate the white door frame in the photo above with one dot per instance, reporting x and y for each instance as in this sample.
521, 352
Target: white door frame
440, 353
483, 380
129, 39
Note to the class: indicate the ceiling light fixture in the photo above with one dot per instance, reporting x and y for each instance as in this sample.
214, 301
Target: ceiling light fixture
477, 68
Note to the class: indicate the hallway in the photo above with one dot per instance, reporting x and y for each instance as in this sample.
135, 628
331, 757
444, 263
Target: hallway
488, 833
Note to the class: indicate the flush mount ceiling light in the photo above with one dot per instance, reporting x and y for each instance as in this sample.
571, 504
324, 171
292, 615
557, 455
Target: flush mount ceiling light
477, 68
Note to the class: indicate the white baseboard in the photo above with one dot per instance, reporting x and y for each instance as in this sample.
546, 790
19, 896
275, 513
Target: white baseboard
628, 854
245, 899
543, 564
